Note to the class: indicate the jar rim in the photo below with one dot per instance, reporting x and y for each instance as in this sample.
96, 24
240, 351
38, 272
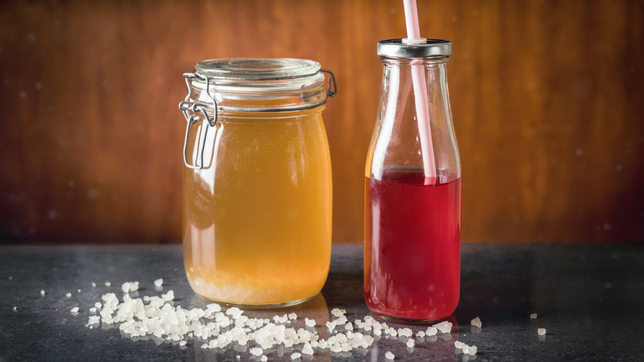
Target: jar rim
257, 69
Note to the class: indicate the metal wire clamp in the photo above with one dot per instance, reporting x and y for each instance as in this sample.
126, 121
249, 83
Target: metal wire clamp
333, 85
194, 112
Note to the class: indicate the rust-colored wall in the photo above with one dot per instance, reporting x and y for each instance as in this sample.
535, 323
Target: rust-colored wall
547, 97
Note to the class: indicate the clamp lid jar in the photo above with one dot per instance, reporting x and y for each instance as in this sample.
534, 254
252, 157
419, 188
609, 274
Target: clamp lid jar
257, 181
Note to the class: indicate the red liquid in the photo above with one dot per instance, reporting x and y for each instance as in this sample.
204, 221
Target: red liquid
412, 251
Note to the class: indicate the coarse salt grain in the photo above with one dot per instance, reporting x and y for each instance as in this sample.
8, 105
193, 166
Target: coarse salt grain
42, 292
168, 296
541, 331
264, 358
431, 331
74, 310
476, 322
93, 285
533, 316
256, 351
307, 349
158, 282
296, 355
410, 343
444, 327
107, 284
389, 355
420, 334
68, 295
15, 308
309, 322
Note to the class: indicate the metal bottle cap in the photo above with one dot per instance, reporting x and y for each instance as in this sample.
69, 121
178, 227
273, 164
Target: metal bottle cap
399, 48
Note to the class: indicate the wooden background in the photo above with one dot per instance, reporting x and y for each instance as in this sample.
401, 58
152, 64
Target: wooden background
547, 98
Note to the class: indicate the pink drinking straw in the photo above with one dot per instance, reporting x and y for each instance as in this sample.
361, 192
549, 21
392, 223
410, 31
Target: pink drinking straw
420, 93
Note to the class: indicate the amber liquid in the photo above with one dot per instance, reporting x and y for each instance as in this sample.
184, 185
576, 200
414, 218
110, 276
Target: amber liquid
257, 219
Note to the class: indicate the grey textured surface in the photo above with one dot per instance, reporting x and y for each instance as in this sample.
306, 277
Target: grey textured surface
589, 297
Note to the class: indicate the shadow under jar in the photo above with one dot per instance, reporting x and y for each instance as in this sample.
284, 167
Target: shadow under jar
257, 181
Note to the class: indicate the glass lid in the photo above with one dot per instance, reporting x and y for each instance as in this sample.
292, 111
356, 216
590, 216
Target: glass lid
257, 69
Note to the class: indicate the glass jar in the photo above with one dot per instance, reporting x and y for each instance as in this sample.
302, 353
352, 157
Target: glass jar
257, 181
413, 188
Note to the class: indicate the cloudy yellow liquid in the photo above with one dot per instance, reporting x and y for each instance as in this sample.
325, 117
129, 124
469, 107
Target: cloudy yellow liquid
257, 218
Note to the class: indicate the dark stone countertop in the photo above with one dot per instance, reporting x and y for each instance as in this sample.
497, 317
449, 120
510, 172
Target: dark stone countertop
589, 297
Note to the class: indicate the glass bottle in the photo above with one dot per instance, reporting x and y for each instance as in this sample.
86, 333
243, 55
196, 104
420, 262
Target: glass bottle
257, 181
412, 216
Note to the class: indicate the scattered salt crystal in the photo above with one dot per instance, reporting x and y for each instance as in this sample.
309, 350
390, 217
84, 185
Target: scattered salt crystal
168, 296
533, 316
92, 310
15, 308
309, 322
541, 331
42, 292
74, 310
459, 344
307, 349
107, 284
337, 312
466, 349
473, 350
214, 307
68, 295
94, 319
296, 355
182, 343
444, 327
420, 334
431, 331
129, 287
405, 332
98, 305
79, 290
264, 359
389, 355
410, 343
234, 312
93, 285
330, 325
292, 316
476, 322
256, 351
348, 326
158, 282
